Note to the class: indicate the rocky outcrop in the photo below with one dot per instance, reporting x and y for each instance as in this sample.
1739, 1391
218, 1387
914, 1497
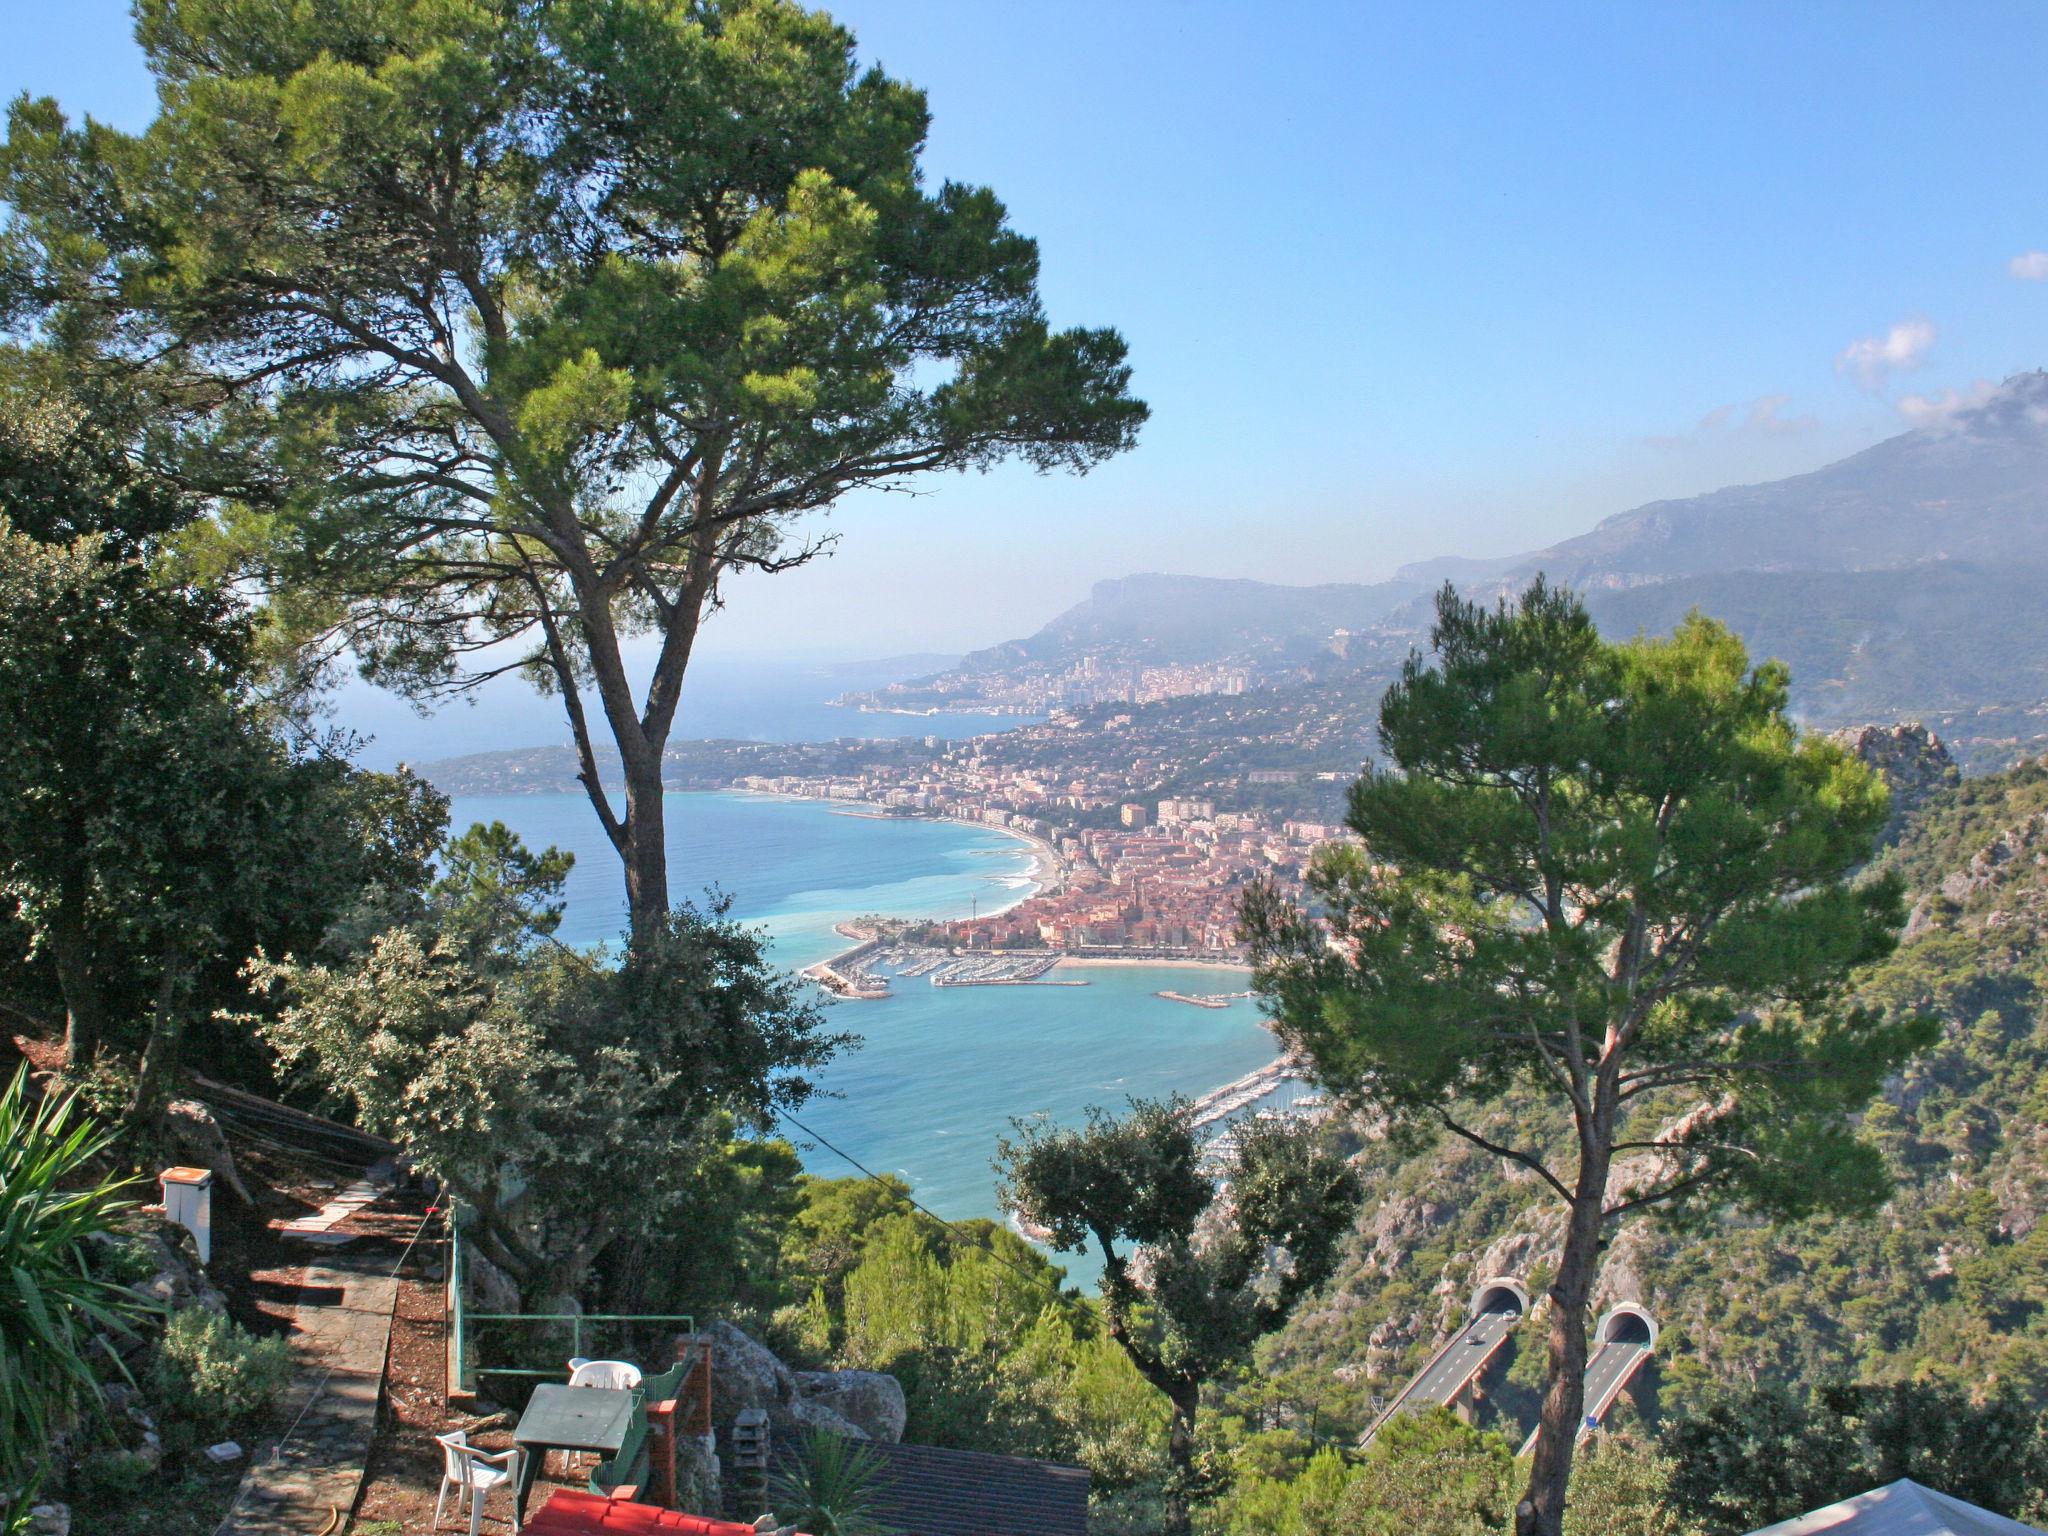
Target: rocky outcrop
747, 1374
871, 1399
199, 1141
2017, 853
177, 1280
1912, 759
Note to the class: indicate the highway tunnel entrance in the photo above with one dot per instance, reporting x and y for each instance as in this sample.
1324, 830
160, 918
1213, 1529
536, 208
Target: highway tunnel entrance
1499, 1296
1626, 1323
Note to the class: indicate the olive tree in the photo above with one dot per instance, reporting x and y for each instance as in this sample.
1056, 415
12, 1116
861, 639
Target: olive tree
567, 1103
1185, 1292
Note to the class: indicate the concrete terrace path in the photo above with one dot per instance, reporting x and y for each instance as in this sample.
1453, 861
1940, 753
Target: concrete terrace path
341, 1330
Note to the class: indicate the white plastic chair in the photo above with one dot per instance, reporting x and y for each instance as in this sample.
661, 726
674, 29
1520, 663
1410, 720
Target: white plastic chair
476, 1473
616, 1374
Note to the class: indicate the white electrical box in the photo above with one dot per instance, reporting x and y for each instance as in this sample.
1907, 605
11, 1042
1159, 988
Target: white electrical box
188, 1200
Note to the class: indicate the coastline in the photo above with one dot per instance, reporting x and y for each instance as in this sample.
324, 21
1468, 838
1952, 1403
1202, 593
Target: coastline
1047, 871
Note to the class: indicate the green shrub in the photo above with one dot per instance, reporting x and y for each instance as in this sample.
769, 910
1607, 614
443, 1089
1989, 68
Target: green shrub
833, 1490
50, 1204
113, 1476
211, 1370
124, 1260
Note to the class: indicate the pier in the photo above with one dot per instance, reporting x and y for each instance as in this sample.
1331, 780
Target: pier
847, 974
1221, 1103
1000, 981
1203, 999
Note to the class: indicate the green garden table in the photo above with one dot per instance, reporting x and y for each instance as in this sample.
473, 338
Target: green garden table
564, 1418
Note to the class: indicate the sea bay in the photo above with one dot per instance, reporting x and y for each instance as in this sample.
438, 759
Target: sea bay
941, 1072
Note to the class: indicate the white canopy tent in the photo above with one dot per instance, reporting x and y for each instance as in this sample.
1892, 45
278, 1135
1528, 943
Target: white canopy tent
1903, 1508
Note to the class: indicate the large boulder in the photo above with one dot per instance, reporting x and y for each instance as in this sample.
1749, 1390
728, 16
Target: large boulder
177, 1279
697, 1482
871, 1399
489, 1288
1914, 761
201, 1143
747, 1374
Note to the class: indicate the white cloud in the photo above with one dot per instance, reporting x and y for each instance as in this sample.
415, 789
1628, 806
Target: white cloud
1763, 416
2030, 268
1766, 415
1940, 408
1873, 359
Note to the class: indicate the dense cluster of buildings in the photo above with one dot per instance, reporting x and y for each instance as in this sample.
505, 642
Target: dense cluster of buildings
1137, 877
1088, 680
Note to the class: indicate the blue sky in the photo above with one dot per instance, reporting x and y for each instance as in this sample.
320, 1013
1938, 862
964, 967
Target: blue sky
1412, 280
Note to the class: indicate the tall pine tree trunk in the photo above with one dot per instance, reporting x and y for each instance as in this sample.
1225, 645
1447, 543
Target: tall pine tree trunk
644, 848
1541, 1511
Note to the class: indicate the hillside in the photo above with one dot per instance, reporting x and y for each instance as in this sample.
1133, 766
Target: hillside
1197, 619
1949, 1281
1958, 644
1973, 487
1149, 637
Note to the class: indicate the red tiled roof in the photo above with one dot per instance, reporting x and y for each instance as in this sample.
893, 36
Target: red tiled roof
569, 1513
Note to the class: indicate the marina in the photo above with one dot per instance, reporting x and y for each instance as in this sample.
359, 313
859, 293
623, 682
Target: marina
867, 970
1220, 1104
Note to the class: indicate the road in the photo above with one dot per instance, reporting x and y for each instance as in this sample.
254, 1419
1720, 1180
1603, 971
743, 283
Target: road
1609, 1370
1454, 1365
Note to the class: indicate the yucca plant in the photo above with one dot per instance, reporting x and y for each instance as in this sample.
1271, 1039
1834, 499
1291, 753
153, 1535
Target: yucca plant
833, 1488
54, 1310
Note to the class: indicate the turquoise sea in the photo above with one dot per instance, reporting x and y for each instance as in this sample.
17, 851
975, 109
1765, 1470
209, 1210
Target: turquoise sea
940, 1072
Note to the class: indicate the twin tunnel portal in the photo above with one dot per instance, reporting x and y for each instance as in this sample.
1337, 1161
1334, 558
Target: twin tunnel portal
1454, 1376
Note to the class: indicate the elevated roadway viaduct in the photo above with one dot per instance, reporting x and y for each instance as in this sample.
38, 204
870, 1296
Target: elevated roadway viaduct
1452, 1374
1623, 1341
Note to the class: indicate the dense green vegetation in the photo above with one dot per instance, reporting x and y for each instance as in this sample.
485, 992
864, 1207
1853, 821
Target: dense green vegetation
992, 1354
1945, 1286
60, 1310
440, 1034
1223, 1260
1612, 880
1752, 1456
166, 810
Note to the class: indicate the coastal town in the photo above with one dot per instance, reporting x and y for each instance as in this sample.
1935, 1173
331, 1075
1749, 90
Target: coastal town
1142, 879
1085, 680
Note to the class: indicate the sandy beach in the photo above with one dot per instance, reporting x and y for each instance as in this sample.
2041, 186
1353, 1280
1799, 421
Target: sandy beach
1048, 871
1232, 966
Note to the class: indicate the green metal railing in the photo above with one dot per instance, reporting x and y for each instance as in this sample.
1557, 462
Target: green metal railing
462, 1370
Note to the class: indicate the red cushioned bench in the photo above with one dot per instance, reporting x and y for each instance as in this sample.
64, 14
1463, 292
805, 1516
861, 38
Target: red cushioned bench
570, 1513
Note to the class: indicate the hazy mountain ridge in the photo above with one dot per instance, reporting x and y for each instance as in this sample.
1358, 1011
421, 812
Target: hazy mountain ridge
1198, 618
1910, 579
1972, 487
